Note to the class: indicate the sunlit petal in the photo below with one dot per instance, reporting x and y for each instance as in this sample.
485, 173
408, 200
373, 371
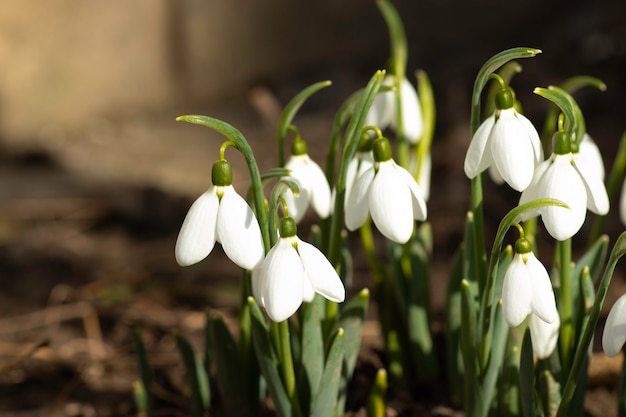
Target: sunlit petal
544, 335
614, 335
411, 113
511, 150
562, 182
478, 157
597, 197
197, 234
320, 272
589, 151
532, 191
320, 190
424, 176
516, 292
417, 199
543, 303
357, 203
390, 204
238, 230
282, 276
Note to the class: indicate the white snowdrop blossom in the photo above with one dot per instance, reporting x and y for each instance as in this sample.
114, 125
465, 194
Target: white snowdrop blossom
572, 181
314, 188
590, 154
383, 112
544, 335
527, 288
361, 162
507, 143
389, 193
292, 272
614, 334
220, 215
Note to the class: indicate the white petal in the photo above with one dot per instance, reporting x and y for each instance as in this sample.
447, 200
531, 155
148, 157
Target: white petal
424, 176
516, 292
614, 335
597, 197
411, 113
511, 150
417, 198
543, 303
380, 113
320, 190
282, 275
562, 182
533, 136
257, 285
238, 230
357, 203
544, 335
590, 152
531, 193
197, 234
478, 157
299, 173
321, 273
390, 204
308, 292
494, 174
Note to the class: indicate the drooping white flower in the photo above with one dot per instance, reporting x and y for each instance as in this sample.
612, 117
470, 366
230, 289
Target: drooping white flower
292, 272
527, 288
544, 335
220, 215
614, 335
507, 143
589, 152
389, 193
571, 181
314, 188
383, 112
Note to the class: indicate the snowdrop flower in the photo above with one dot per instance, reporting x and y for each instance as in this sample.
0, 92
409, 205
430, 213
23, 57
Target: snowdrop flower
389, 193
614, 335
220, 215
292, 272
590, 155
544, 335
507, 143
383, 112
527, 288
314, 188
570, 180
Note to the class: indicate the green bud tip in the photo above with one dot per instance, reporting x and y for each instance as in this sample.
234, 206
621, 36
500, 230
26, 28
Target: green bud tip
561, 143
523, 246
382, 150
298, 146
365, 143
222, 173
288, 227
505, 99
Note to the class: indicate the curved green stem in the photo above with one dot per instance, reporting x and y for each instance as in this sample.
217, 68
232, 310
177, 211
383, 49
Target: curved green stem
566, 338
286, 364
587, 334
351, 141
487, 69
290, 112
244, 147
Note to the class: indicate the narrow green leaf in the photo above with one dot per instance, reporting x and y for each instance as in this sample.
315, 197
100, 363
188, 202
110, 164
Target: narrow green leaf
191, 367
454, 362
268, 361
290, 112
549, 392
472, 396
326, 400
496, 358
144, 372
229, 370
140, 396
376, 400
509, 395
312, 358
351, 321
526, 377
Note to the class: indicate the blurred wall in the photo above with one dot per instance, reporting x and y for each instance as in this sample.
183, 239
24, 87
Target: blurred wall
64, 62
